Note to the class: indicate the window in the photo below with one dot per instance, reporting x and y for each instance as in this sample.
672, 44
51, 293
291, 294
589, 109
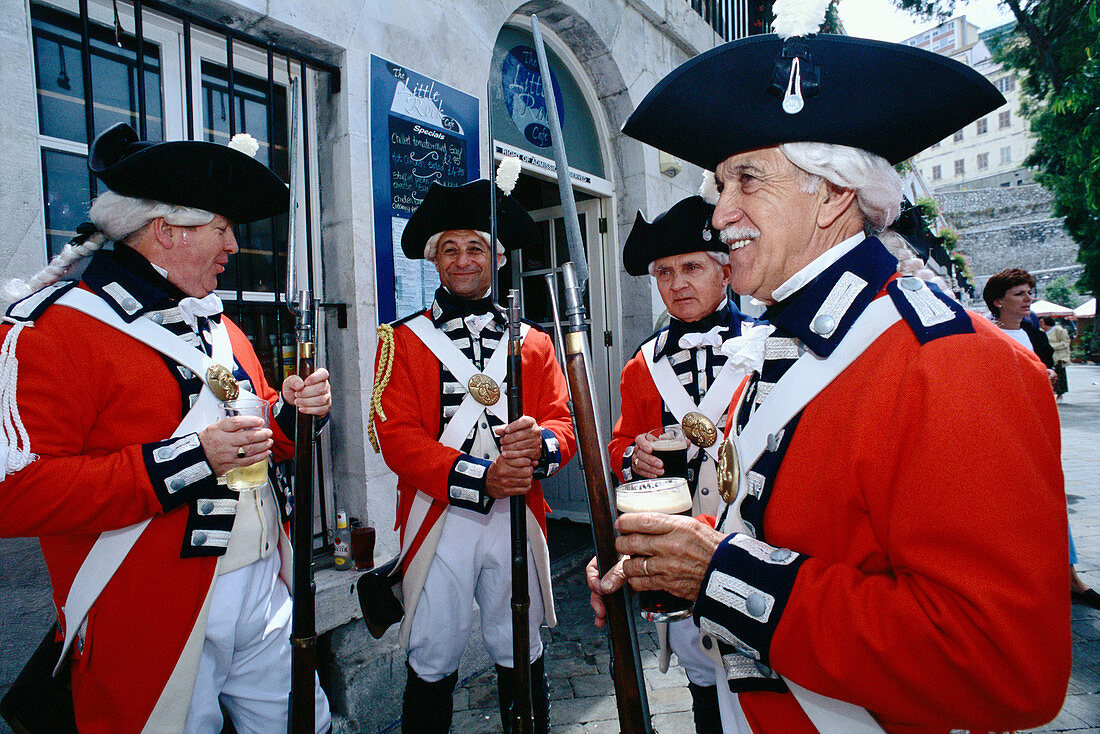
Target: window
1006, 84
960, 168
935, 145
983, 126
1006, 154
958, 137
983, 161
62, 122
189, 80
1004, 119
937, 173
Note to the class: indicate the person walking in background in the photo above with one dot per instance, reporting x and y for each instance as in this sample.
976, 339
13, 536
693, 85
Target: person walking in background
1008, 296
1060, 342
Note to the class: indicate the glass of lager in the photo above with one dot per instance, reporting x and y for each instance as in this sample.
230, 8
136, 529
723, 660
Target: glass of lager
671, 497
670, 445
255, 475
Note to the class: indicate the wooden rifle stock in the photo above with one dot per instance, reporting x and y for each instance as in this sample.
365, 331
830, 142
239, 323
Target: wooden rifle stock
522, 712
625, 663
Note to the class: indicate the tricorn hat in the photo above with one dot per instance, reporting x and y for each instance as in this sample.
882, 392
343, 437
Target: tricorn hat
684, 228
761, 91
191, 173
448, 208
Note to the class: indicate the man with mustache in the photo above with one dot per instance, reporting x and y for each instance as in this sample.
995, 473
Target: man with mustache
677, 372
441, 426
895, 557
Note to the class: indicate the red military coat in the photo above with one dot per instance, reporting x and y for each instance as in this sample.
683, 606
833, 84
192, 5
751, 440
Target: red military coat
409, 435
90, 396
928, 499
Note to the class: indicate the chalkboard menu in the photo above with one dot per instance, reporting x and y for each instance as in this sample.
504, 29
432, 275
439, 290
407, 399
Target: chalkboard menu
422, 132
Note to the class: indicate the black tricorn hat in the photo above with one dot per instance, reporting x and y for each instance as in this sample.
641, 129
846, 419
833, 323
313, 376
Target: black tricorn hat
885, 98
467, 207
684, 228
192, 173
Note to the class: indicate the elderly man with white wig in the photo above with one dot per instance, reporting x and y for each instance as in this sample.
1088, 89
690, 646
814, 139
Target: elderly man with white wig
171, 587
893, 557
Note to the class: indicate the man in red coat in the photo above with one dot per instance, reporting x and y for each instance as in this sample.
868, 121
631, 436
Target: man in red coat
113, 423
895, 556
442, 426
680, 375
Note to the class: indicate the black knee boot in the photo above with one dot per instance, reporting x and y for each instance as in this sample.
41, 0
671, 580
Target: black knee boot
540, 697
427, 706
704, 706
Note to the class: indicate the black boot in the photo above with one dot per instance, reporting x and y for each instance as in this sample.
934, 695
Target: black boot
540, 697
428, 706
704, 706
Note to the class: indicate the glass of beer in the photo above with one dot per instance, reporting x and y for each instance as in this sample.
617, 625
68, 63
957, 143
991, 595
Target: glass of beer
670, 445
254, 475
671, 497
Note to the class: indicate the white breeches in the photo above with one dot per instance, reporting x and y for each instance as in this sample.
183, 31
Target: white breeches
683, 638
472, 562
245, 662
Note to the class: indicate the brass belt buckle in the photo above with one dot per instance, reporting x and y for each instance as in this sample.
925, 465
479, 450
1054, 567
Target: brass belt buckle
222, 383
484, 389
699, 429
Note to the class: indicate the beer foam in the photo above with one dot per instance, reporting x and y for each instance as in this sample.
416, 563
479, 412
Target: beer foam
668, 444
670, 496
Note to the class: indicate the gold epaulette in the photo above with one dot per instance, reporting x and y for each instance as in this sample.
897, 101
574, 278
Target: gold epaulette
381, 379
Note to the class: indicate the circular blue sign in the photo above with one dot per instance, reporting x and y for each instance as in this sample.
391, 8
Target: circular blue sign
522, 88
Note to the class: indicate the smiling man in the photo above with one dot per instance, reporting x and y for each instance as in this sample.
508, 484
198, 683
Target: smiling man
118, 425
441, 425
895, 557
677, 372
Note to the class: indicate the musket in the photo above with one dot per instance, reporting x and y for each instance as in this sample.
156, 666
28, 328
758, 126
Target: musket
522, 712
626, 667
303, 632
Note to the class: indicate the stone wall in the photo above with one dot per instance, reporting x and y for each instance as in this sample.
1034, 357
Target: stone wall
1013, 227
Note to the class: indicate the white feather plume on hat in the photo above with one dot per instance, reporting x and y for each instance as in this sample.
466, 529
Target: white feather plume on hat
798, 17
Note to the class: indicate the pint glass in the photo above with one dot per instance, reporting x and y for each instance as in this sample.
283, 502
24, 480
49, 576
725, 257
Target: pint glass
254, 475
671, 497
670, 446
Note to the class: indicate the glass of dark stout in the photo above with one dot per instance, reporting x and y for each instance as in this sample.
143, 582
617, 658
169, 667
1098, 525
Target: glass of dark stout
669, 444
669, 496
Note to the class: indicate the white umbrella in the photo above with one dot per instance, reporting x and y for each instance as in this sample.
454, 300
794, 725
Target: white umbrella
1046, 308
1086, 310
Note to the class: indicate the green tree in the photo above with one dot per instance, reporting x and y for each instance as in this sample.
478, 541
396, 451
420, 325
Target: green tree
1055, 48
1058, 291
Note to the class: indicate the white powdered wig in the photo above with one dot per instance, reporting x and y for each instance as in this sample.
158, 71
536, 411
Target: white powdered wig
708, 189
118, 216
798, 17
432, 245
16, 289
722, 258
877, 185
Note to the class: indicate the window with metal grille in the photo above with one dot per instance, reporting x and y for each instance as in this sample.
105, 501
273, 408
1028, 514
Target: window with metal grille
1004, 119
983, 161
192, 79
960, 167
983, 126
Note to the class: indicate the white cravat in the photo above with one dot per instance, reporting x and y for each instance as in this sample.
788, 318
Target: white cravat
475, 322
191, 308
695, 339
746, 352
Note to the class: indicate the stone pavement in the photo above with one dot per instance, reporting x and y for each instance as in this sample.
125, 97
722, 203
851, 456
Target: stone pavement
581, 700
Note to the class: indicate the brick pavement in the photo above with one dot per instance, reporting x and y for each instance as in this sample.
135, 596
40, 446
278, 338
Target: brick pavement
577, 657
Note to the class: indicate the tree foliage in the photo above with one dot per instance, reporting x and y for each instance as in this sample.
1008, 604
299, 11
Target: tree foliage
1055, 48
1058, 291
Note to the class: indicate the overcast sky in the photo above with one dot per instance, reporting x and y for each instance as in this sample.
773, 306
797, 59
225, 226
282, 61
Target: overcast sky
881, 20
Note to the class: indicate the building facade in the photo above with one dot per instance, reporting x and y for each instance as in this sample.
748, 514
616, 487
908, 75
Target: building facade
391, 97
989, 151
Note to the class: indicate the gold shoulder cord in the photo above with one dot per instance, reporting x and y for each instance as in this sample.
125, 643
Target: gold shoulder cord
381, 379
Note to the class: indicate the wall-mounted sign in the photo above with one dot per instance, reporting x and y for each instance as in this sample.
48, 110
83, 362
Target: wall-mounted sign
517, 102
422, 132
